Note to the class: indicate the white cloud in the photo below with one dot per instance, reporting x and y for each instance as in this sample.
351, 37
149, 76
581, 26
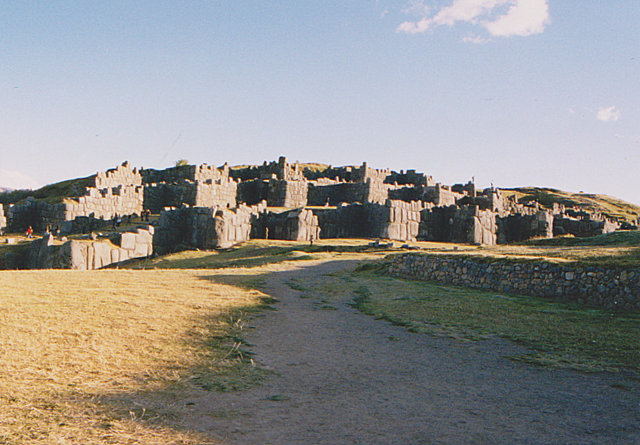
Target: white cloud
523, 18
17, 180
608, 114
501, 18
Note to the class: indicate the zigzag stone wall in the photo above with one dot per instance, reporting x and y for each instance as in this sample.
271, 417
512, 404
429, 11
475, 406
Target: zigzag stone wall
612, 288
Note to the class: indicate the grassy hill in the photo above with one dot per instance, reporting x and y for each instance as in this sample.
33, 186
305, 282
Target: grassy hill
50, 193
607, 205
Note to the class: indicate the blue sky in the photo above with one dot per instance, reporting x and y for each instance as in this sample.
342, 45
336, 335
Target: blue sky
514, 92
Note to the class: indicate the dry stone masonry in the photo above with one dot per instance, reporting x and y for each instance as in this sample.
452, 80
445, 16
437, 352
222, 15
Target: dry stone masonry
89, 254
612, 288
204, 206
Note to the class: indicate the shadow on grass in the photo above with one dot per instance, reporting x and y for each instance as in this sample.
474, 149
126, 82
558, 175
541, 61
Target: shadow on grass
557, 334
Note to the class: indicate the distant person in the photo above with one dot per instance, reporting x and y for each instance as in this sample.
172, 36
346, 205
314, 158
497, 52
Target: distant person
29, 232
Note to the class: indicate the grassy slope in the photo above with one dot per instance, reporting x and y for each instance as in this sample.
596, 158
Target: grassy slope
51, 193
88, 357
612, 207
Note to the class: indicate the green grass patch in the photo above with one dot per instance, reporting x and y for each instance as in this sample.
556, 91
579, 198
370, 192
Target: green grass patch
560, 335
619, 238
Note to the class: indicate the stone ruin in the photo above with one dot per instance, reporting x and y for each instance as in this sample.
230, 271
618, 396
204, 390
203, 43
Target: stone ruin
216, 207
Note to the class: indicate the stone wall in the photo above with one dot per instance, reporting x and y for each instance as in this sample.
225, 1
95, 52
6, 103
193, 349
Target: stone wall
252, 192
344, 221
612, 288
105, 203
400, 220
441, 195
157, 196
202, 172
281, 170
396, 220
564, 225
204, 227
523, 226
45, 253
294, 225
35, 213
116, 192
3, 219
332, 193
289, 194
466, 224
115, 177
220, 193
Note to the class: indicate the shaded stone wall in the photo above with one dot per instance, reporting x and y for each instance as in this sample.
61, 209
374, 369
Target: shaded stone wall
35, 213
252, 192
45, 253
396, 220
521, 227
160, 195
294, 225
204, 227
116, 192
411, 177
280, 169
345, 221
612, 288
202, 172
455, 224
333, 193
563, 225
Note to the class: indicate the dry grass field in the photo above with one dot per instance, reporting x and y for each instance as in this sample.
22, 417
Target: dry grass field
111, 356
115, 356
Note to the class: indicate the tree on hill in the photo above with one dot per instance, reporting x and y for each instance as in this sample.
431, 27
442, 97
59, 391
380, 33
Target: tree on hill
181, 162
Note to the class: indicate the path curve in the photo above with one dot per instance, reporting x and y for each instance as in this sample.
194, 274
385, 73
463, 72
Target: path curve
343, 377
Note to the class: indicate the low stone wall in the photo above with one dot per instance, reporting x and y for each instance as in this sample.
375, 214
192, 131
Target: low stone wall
611, 288
90, 254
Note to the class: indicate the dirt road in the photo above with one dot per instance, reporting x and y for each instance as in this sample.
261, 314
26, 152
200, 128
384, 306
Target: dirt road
342, 377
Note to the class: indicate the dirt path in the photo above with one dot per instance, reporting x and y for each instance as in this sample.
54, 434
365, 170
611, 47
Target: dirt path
343, 377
